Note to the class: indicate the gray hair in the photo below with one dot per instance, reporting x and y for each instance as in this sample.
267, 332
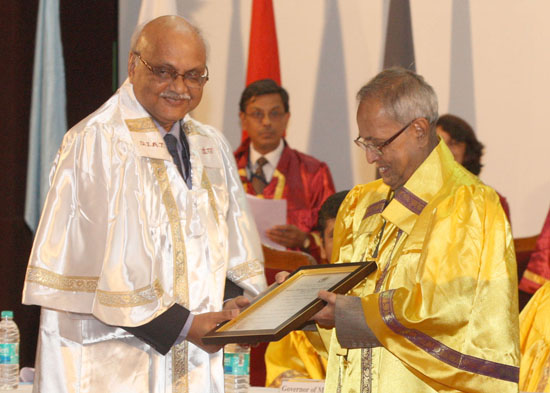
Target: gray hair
169, 21
404, 95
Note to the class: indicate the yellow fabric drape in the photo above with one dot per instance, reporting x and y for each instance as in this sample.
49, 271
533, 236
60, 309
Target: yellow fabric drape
443, 301
297, 355
534, 322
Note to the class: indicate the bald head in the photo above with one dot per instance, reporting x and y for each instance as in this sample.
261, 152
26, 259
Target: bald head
166, 66
144, 33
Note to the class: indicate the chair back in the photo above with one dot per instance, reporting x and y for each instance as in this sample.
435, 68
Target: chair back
286, 259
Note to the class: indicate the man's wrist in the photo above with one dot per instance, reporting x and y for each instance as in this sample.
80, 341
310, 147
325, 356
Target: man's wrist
185, 330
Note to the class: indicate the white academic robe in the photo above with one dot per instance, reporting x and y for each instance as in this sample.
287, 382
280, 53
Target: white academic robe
121, 239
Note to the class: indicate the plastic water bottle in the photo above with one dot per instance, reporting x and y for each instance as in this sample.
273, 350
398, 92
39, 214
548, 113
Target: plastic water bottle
236, 366
9, 352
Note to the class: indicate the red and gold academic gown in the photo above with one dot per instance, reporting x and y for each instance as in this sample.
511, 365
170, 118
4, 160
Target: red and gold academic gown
535, 342
441, 312
538, 269
301, 179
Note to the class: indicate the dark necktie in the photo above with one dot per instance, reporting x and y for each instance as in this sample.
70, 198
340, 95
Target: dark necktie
258, 177
186, 156
172, 146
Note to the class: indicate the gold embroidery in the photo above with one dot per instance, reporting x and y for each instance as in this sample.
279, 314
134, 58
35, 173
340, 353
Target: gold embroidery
191, 128
366, 370
144, 124
139, 297
179, 352
205, 183
245, 271
280, 184
180, 381
339, 386
58, 281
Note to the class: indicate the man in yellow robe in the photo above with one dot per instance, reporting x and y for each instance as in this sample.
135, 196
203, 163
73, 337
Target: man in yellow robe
440, 313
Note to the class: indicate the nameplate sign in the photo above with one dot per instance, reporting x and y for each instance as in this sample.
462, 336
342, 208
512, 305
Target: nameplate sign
304, 386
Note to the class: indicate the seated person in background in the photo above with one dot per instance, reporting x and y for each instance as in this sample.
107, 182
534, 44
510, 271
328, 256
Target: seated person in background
467, 150
303, 354
534, 328
538, 268
269, 168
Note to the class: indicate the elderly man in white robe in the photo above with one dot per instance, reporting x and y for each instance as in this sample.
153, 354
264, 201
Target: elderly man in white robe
144, 221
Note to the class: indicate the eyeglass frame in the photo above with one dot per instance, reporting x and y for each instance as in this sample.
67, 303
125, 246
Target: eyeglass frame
377, 148
271, 115
174, 74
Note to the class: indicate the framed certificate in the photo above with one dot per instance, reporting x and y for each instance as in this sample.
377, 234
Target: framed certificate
288, 306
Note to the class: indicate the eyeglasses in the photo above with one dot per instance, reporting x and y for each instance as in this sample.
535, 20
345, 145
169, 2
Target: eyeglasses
377, 148
275, 115
192, 79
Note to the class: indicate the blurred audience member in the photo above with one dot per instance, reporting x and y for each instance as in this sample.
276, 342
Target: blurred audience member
467, 150
538, 268
271, 169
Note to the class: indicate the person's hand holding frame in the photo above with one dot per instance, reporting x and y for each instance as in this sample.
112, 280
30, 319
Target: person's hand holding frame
289, 305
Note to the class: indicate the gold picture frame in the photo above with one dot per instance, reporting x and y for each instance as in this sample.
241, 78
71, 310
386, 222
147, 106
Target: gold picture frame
288, 306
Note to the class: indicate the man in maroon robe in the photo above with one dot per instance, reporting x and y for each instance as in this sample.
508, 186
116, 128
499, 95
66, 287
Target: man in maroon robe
269, 168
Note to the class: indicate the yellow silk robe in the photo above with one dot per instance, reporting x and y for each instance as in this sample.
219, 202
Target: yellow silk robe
442, 305
534, 322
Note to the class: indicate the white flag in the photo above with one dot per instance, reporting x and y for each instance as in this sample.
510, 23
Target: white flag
151, 9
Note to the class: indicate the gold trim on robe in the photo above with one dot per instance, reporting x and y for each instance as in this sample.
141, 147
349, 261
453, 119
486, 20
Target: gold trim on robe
60, 281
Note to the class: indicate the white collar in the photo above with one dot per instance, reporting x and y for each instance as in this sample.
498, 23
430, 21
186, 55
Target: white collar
272, 157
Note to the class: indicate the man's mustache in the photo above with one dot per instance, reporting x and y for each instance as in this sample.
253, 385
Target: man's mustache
175, 96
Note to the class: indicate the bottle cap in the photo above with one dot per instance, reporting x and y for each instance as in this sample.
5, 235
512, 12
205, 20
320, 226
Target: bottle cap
8, 314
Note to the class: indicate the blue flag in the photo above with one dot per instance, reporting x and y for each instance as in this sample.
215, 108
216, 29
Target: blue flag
48, 119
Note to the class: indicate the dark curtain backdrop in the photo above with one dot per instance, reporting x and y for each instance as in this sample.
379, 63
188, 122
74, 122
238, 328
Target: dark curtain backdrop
89, 33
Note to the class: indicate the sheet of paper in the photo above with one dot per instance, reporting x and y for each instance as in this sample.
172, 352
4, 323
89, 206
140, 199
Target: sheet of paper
267, 213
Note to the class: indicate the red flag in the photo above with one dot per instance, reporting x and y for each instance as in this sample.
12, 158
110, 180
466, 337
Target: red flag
263, 53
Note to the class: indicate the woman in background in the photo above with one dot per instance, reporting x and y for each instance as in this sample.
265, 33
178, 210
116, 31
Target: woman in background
467, 150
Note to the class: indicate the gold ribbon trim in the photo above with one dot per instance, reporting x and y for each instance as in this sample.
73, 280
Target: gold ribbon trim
145, 124
279, 189
58, 281
180, 381
139, 297
534, 277
245, 271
